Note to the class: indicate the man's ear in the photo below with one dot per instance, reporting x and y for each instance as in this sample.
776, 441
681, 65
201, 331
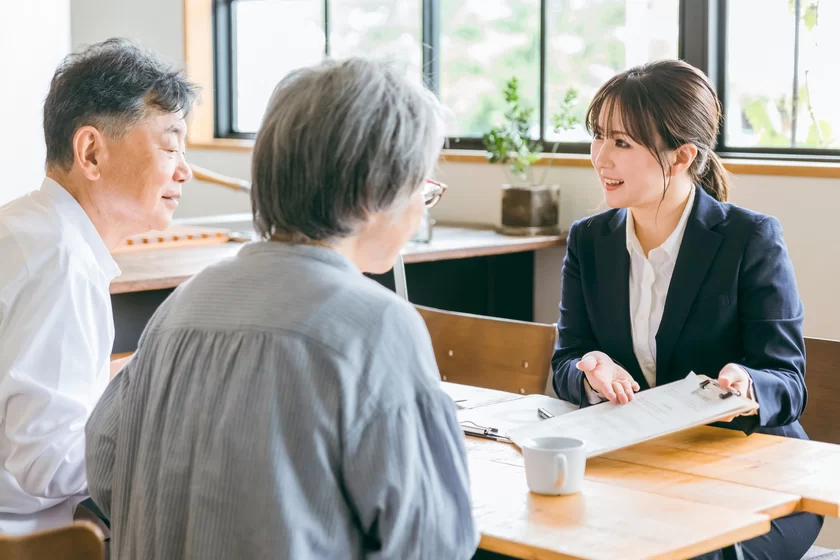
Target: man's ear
683, 158
89, 151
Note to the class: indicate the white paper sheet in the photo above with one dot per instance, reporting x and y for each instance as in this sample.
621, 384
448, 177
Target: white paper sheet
507, 415
467, 397
652, 413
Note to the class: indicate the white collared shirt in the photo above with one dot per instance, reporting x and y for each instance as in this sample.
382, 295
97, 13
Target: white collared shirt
56, 335
650, 278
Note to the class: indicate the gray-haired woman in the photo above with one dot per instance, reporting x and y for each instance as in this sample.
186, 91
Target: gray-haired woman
281, 404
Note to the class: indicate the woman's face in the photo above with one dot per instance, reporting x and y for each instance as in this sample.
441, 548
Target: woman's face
630, 175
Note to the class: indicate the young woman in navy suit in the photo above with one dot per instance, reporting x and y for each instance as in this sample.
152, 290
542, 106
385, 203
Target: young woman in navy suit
674, 279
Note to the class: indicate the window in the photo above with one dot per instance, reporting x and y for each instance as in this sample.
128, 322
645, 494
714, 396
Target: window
588, 42
483, 43
272, 38
782, 75
260, 41
773, 74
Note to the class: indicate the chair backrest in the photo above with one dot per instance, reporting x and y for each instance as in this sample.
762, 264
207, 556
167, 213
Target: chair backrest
513, 356
80, 541
822, 377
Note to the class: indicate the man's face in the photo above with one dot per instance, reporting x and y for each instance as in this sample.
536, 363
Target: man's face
142, 173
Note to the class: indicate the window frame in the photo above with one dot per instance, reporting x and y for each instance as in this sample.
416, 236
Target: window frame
702, 43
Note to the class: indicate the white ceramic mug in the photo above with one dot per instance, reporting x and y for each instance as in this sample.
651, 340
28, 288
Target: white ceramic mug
554, 465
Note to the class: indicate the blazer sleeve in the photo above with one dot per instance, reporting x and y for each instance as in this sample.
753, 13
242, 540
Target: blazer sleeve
574, 333
771, 317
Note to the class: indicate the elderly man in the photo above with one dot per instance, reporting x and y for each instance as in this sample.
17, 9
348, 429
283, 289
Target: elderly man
114, 122
281, 404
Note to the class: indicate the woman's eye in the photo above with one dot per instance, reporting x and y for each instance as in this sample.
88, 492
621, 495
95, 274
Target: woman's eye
621, 144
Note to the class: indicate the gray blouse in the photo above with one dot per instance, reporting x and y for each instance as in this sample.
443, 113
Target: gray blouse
281, 405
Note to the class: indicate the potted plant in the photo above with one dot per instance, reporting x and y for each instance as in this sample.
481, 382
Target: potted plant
528, 207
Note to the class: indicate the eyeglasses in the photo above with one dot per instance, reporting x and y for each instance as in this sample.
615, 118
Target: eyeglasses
432, 192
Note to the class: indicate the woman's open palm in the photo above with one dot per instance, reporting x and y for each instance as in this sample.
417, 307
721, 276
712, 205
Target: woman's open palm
607, 378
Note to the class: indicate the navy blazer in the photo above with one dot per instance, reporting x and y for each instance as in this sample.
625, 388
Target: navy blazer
732, 298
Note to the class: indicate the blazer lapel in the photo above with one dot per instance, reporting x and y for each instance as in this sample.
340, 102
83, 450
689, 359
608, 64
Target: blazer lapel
697, 252
612, 269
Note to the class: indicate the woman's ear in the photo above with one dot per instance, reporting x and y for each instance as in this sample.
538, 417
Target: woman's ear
683, 158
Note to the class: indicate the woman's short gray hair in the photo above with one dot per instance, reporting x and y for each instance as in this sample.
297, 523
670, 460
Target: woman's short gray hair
338, 141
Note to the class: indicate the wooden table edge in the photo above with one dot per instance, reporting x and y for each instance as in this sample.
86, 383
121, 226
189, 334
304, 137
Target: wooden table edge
737, 535
151, 284
819, 507
756, 528
480, 251
518, 550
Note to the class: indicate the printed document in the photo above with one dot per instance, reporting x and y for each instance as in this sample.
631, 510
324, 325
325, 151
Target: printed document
693, 401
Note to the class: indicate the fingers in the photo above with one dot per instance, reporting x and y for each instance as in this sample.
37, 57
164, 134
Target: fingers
587, 364
608, 392
627, 385
734, 377
617, 391
620, 393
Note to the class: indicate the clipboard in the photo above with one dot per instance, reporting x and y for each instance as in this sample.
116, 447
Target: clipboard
495, 420
692, 401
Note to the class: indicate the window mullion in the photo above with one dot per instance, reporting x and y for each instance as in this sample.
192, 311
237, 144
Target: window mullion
431, 45
326, 28
543, 55
224, 43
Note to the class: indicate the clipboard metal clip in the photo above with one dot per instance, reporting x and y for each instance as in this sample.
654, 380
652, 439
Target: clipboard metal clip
726, 392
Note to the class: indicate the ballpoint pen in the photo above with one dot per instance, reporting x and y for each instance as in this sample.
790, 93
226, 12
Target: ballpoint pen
481, 432
544, 414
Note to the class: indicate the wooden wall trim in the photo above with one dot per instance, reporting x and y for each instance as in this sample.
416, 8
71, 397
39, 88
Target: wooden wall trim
198, 57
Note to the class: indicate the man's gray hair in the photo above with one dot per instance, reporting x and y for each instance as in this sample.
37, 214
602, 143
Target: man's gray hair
338, 141
109, 85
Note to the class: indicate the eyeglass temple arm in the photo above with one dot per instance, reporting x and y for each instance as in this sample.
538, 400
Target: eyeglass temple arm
400, 285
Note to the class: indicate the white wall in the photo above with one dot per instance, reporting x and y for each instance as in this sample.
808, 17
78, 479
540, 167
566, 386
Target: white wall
34, 37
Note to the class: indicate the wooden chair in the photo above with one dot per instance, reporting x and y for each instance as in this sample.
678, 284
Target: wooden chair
80, 541
821, 419
513, 356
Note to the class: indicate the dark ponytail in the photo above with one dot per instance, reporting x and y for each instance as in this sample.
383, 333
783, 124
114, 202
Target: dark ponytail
715, 179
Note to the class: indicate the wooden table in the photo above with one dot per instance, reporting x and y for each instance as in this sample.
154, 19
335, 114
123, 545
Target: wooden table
168, 268
809, 469
656, 499
600, 522
465, 269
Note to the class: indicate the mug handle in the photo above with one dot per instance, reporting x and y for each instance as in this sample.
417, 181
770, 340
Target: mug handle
561, 470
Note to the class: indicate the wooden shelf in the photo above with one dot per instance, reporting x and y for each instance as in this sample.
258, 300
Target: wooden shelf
168, 268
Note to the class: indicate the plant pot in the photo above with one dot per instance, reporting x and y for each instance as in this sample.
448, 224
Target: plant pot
530, 210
